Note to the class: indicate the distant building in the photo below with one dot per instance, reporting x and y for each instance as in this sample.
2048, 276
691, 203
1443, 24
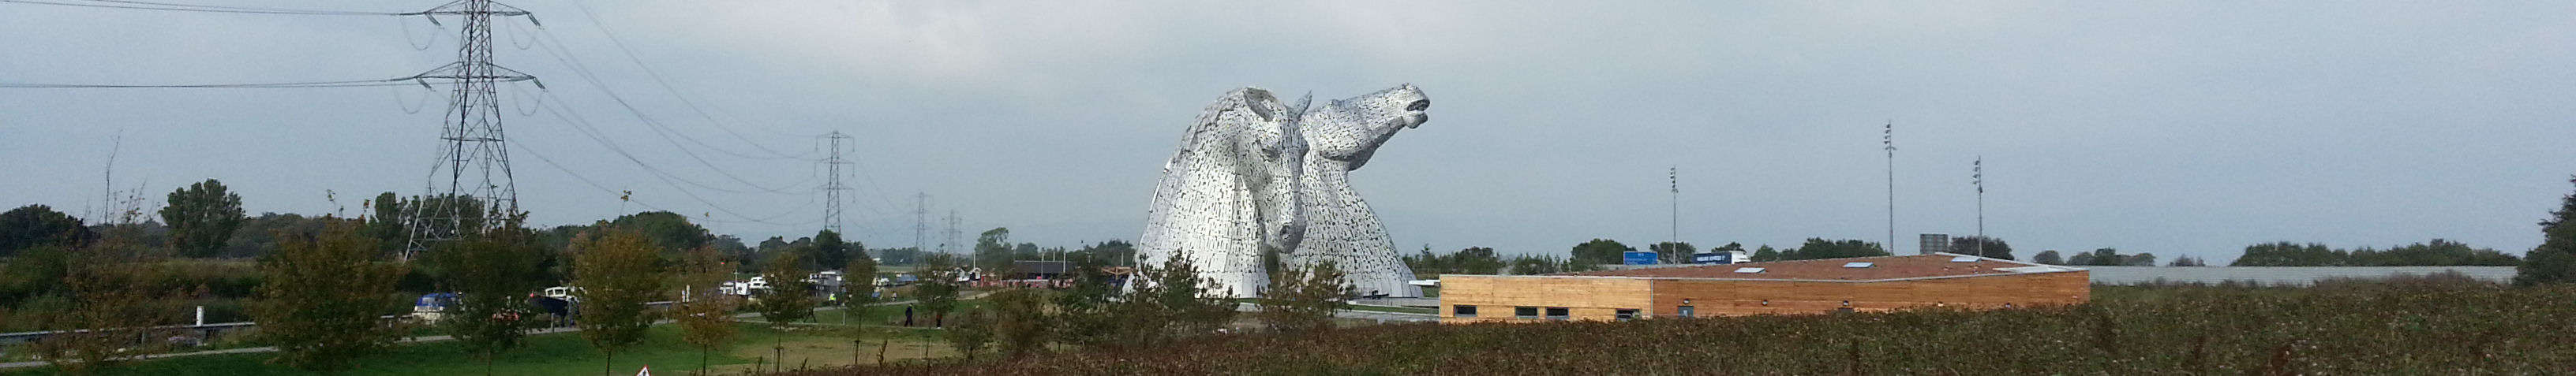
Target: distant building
1028, 269
1862, 284
1934, 243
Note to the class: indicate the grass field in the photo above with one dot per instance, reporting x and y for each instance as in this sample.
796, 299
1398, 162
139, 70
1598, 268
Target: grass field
2359, 328
815, 346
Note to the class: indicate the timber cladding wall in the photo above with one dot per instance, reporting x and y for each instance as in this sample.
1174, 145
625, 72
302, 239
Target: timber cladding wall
1585, 298
1737, 298
1495, 298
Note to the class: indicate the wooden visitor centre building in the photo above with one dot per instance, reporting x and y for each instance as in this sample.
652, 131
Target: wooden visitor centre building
1861, 284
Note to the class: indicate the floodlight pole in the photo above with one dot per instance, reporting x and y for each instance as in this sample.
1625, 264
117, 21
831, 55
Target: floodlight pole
1888, 137
1978, 177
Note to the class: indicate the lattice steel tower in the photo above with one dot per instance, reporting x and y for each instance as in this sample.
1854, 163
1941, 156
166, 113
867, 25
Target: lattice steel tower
471, 188
832, 188
920, 220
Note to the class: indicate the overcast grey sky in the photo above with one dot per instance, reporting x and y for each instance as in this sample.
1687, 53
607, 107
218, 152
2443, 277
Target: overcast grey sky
2178, 128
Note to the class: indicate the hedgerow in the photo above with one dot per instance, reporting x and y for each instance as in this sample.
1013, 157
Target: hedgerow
2396, 328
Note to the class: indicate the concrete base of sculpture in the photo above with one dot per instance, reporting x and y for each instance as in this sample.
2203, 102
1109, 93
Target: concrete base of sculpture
1256, 176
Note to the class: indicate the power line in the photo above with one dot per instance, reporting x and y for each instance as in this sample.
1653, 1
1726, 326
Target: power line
583, 125
658, 174
604, 188
659, 129
401, 81
666, 84
141, 5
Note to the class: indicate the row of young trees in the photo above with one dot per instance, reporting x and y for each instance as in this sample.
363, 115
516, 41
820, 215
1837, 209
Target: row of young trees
1159, 304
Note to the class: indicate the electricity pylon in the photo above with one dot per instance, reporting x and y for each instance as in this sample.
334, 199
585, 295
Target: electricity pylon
833, 187
920, 220
471, 189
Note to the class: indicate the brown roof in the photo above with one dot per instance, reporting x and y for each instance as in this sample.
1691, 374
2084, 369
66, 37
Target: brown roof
1883, 267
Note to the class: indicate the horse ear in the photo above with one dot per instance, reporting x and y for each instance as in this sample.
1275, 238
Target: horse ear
1261, 103
1298, 111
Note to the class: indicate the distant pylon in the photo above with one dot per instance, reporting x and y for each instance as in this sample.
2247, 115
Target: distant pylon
832, 188
920, 220
950, 245
476, 191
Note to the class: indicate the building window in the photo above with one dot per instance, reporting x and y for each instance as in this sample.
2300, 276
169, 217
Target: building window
1627, 314
1464, 311
1556, 313
1684, 311
1525, 312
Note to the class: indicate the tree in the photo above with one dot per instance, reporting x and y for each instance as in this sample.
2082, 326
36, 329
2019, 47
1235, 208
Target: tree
1600, 251
2291, 254
859, 281
1765, 253
993, 249
974, 330
1304, 299
1019, 321
110, 301
1993, 248
36, 271
2187, 261
320, 296
2048, 257
491, 274
706, 316
201, 217
1083, 312
829, 251
1536, 265
2110, 257
1817, 248
1109, 253
2140, 259
790, 296
613, 274
1674, 252
1476, 260
2554, 261
1169, 301
936, 296
37, 225
387, 222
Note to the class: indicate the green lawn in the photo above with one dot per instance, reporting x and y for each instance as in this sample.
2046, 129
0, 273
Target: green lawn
551, 354
883, 315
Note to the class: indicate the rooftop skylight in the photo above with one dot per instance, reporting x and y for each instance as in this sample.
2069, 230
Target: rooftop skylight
1859, 264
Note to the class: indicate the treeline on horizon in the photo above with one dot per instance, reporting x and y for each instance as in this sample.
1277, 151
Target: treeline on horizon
1590, 255
203, 246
